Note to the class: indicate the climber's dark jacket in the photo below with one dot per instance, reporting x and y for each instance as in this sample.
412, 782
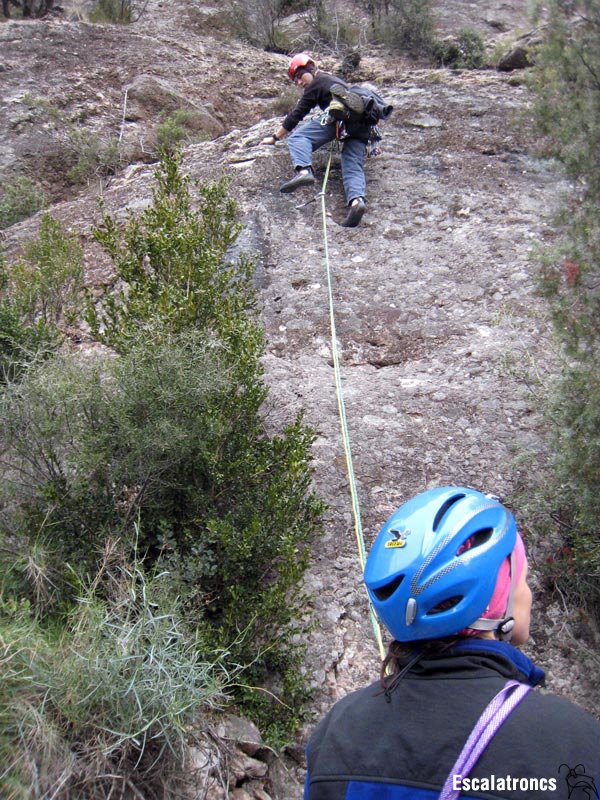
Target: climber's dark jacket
402, 746
318, 93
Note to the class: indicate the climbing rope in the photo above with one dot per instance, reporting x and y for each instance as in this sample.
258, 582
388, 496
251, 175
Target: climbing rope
360, 540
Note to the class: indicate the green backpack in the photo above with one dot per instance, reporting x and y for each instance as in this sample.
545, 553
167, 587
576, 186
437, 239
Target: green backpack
358, 104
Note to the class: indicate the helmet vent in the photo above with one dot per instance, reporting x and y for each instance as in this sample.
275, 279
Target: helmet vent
444, 509
385, 592
476, 540
445, 605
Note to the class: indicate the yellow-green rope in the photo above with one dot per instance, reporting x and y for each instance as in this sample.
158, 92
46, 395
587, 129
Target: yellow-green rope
360, 540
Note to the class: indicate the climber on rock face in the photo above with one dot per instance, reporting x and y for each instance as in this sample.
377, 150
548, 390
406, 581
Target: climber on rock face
315, 133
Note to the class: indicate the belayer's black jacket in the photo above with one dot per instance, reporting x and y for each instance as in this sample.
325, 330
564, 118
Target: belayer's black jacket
403, 745
318, 93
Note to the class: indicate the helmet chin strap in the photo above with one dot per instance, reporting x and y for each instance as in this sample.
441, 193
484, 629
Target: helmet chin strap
502, 627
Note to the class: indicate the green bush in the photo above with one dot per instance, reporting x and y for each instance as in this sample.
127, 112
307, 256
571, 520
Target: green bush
20, 199
172, 265
285, 101
567, 113
92, 156
257, 21
334, 25
176, 129
280, 42
466, 51
103, 704
161, 442
408, 26
40, 290
46, 283
165, 435
120, 12
20, 342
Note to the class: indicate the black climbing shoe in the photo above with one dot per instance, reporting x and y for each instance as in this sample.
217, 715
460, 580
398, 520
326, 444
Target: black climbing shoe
301, 178
357, 209
352, 100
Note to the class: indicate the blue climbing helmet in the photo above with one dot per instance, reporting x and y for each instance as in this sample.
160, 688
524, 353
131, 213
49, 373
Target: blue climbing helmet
433, 567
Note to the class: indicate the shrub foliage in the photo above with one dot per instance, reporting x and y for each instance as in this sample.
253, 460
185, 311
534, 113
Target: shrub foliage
464, 51
101, 706
164, 437
41, 290
567, 85
173, 268
20, 199
120, 12
405, 25
177, 128
257, 21
155, 441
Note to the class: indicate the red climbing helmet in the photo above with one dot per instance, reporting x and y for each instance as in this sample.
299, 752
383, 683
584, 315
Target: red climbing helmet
298, 62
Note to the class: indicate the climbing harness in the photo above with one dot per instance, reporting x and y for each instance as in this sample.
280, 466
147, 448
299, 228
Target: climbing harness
325, 119
360, 541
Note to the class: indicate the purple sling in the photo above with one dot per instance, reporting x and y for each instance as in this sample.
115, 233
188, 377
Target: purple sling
485, 729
